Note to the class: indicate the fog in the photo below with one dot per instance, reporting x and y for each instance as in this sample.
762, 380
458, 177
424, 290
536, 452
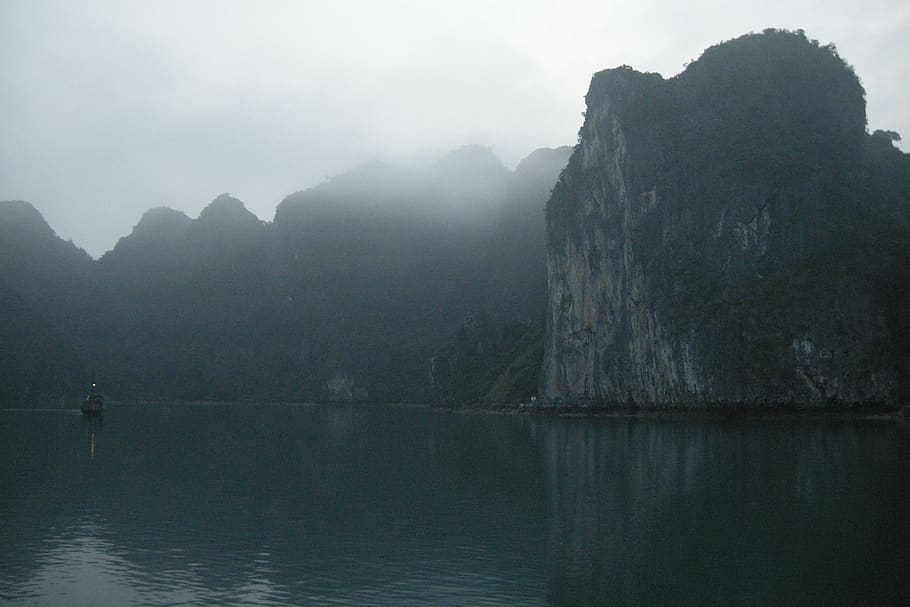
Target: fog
113, 107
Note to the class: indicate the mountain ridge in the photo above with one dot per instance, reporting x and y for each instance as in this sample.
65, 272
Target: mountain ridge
345, 295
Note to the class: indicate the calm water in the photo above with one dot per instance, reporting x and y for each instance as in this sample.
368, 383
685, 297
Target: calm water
276, 505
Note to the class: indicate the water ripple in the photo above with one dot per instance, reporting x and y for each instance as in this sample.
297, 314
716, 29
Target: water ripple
371, 506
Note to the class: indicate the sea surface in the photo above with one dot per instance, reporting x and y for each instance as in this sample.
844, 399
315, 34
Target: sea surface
375, 505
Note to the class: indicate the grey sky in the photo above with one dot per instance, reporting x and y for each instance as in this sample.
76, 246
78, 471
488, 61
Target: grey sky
108, 108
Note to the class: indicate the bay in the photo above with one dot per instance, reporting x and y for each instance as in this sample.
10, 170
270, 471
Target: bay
177, 504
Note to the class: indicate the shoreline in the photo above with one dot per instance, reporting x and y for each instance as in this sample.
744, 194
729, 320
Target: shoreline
720, 412
695, 412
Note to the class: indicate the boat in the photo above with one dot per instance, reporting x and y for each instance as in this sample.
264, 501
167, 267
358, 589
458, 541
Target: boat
93, 403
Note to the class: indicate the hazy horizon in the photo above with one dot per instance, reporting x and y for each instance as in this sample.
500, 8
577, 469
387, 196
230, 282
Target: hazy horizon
112, 108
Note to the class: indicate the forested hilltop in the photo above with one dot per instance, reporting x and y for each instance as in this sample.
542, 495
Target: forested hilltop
732, 235
351, 293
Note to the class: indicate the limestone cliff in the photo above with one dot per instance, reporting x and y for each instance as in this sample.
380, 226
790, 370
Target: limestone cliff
729, 236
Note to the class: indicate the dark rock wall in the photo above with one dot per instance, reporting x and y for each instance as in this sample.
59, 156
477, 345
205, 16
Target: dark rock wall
718, 238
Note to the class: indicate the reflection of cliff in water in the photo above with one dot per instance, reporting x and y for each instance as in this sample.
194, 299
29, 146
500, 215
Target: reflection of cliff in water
359, 504
662, 511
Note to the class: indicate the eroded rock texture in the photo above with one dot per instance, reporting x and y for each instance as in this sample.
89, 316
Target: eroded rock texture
731, 235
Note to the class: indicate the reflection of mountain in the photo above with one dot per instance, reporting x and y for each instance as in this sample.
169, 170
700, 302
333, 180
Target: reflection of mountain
345, 504
377, 506
658, 512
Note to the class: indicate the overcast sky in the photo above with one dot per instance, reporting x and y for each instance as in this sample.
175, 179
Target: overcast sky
108, 108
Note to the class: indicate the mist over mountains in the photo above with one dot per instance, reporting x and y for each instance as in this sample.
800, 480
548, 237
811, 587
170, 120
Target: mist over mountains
347, 294
733, 235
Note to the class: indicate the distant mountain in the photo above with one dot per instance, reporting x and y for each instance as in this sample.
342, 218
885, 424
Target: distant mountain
158, 236
496, 354
38, 360
347, 294
520, 270
184, 298
421, 250
468, 185
34, 260
46, 293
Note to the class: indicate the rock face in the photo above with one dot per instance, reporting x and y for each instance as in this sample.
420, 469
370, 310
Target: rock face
729, 236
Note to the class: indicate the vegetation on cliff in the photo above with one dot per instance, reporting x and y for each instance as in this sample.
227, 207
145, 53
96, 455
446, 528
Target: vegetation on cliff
753, 236
488, 363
